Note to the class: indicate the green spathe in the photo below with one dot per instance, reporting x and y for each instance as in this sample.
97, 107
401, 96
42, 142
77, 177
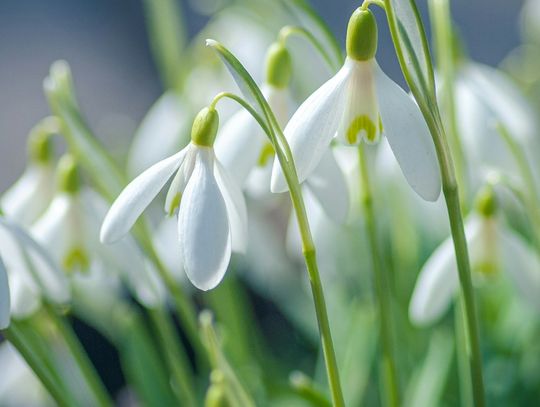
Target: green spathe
362, 34
205, 127
278, 66
68, 175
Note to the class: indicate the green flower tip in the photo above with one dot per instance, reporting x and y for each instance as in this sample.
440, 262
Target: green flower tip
278, 65
68, 175
205, 127
486, 202
362, 35
216, 395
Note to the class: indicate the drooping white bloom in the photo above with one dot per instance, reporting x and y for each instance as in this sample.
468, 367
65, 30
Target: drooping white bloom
492, 248
31, 273
69, 229
211, 208
485, 97
360, 103
28, 198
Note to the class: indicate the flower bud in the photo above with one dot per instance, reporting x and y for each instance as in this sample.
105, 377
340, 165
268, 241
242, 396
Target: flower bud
67, 174
205, 127
278, 65
486, 202
215, 396
362, 33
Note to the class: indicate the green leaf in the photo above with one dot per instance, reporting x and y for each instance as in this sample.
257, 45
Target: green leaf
168, 38
411, 45
82, 143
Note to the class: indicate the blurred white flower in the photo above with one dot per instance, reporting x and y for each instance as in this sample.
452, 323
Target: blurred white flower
493, 247
360, 103
212, 218
485, 96
30, 195
69, 230
19, 386
31, 272
5, 300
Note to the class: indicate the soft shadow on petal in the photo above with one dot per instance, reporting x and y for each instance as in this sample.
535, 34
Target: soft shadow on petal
522, 265
203, 226
409, 137
329, 186
136, 197
312, 127
4, 297
239, 145
236, 208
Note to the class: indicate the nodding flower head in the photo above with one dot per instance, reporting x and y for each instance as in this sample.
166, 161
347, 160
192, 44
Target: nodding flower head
361, 104
210, 206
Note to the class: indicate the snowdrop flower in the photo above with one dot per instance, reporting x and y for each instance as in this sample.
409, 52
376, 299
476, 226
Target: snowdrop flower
244, 150
28, 198
484, 97
211, 208
69, 229
360, 104
492, 248
31, 273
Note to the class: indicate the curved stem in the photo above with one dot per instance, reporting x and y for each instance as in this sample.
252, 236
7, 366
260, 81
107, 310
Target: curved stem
390, 390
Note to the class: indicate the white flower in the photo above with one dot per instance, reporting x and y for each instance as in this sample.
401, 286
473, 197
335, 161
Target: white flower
31, 273
211, 208
491, 247
69, 230
360, 103
485, 96
28, 198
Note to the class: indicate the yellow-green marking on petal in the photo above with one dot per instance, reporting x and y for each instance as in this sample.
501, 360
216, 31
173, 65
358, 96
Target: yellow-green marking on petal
76, 260
362, 122
175, 203
267, 152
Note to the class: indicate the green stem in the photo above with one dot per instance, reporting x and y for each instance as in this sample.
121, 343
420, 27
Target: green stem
39, 366
390, 390
464, 375
175, 357
80, 357
430, 110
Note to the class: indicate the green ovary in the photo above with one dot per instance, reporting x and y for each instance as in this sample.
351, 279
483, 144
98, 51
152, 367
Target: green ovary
359, 124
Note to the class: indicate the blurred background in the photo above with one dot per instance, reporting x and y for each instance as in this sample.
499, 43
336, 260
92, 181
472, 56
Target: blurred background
106, 44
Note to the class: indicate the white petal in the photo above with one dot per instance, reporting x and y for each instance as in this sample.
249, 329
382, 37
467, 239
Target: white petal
203, 226
236, 208
438, 280
164, 239
136, 197
523, 266
312, 127
279, 101
4, 297
409, 138
30, 195
159, 134
25, 297
328, 185
239, 145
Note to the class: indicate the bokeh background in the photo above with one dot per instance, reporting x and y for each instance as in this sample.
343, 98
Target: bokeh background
106, 45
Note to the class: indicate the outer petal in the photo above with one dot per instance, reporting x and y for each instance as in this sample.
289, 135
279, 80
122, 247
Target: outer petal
328, 185
167, 232
180, 180
236, 208
523, 266
312, 127
4, 297
203, 226
137, 196
438, 280
30, 195
409, 137
239, 145
159, 134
